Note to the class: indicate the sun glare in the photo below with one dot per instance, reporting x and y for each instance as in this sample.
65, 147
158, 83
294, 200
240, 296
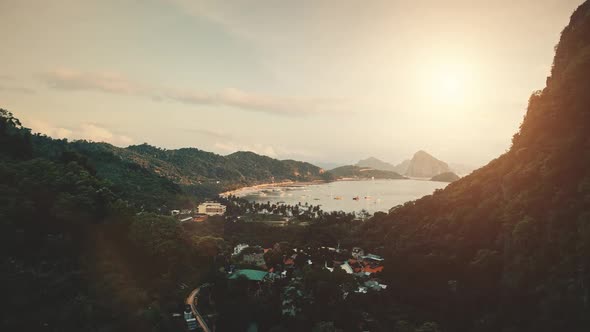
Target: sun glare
445, 84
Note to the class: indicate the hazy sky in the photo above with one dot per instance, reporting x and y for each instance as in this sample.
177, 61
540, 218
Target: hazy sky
311, 80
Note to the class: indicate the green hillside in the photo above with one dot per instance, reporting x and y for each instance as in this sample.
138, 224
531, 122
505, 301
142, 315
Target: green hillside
507, 248
152, 178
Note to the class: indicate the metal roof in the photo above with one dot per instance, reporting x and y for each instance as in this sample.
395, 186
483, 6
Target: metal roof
253, 275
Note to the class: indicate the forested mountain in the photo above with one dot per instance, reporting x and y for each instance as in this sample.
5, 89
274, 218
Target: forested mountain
147, 176
74, 255
191, 166
357, 172
507, 248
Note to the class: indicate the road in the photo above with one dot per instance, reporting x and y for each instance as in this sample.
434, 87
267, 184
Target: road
192, 300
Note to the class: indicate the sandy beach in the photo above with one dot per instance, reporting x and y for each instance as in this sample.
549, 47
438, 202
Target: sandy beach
269, 185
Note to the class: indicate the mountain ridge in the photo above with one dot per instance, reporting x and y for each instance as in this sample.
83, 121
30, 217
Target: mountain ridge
151, 176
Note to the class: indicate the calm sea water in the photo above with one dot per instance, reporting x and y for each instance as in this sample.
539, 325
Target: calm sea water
374, 195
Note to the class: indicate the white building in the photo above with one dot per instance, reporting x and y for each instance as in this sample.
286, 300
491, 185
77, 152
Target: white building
212, 209
346, 267
238, 249
357, 253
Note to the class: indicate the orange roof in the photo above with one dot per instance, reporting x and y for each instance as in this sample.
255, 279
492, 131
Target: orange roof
199, 219
370, 269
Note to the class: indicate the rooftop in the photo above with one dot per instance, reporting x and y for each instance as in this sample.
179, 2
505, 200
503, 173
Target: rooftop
253, 275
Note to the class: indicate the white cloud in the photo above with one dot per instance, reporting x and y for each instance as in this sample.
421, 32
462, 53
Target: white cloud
17, 89
231, 147
11, 85
48, 129
116, 83
259, 102
111, 82
274, 151
87, 131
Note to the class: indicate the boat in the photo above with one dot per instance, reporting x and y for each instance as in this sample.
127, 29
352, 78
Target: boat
338, 198
356, 198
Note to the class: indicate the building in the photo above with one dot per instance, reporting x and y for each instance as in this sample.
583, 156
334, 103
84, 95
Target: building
346, 267
200, 217
238, 249
357, 252
212, 209
256, 259
252, 275
191, 322
374, 258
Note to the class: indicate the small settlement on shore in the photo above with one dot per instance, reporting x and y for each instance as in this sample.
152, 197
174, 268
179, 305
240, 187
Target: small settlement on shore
282, 269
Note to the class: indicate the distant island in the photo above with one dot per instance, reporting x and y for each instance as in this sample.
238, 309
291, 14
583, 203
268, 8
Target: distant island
422, 165
356, 172
375, 163
445, 177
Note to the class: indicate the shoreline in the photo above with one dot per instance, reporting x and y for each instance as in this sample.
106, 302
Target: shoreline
271, 185
302, 183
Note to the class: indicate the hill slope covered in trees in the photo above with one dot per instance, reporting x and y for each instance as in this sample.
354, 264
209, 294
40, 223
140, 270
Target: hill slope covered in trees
507, 248
150, 177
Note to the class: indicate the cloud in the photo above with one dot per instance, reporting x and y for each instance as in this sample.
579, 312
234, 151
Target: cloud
231, 147
116, 83
259, 102
9, 85
210, 133
87, 131
97, 133
42, 127
17, 89
110, 82
274, 151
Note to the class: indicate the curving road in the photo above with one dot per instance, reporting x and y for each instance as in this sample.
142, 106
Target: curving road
192, 300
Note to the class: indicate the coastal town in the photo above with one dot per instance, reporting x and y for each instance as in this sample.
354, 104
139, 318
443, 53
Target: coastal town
279, 270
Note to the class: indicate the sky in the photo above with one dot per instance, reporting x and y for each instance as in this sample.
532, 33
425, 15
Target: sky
325, 81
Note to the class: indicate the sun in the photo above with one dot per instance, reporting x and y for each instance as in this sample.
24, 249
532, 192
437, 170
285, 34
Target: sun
445, 84
449, 84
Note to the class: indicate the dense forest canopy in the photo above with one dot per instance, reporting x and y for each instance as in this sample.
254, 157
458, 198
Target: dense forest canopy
507, 247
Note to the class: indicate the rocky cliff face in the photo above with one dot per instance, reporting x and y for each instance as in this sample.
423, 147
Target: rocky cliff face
423, 165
